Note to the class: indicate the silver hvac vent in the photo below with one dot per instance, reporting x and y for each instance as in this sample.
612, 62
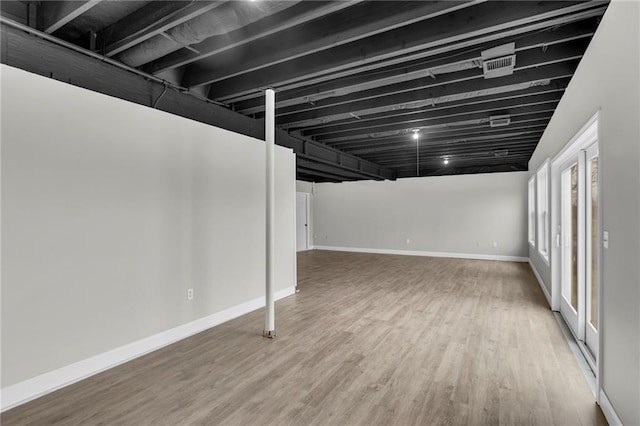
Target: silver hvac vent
500, 120
499, 66
501, 152
499, 61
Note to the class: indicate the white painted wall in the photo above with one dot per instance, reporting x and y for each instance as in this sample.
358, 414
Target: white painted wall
462, 214
302, 186
608, 80
112, 210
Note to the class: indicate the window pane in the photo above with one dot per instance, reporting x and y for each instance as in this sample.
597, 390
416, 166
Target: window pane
574, 237
594, 242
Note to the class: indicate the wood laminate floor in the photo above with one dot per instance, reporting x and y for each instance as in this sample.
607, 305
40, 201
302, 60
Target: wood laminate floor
369, 340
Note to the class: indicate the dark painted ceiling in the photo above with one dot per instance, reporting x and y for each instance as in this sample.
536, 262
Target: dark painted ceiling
354, 80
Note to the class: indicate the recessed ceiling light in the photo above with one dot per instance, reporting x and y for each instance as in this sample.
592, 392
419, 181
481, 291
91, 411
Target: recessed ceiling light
446, 161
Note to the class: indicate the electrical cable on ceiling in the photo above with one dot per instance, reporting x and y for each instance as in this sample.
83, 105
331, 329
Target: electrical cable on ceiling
164, 90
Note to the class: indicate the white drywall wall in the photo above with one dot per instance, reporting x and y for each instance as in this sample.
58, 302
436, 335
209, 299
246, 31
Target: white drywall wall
462, 214
112, 210
607, 80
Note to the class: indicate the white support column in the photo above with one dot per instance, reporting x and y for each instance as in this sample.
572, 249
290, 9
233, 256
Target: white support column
269, 136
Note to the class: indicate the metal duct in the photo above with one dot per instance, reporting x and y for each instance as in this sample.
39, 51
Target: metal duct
227, 17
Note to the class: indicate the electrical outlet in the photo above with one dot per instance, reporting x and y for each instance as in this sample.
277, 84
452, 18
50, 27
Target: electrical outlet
190, 294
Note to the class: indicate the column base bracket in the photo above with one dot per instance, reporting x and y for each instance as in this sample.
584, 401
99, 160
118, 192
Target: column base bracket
269, 334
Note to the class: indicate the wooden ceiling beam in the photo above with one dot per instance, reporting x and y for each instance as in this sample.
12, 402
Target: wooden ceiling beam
53, 15
460, 29
386, 75
301, 13
364, 20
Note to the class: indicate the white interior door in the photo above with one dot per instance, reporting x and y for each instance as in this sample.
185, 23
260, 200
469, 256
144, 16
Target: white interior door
302, 221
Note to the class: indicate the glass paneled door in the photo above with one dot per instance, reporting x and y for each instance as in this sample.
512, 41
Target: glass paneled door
578, 243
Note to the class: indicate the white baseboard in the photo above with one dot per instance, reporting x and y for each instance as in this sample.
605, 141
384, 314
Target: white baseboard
427, 253
608, 411
542, 286
43, 384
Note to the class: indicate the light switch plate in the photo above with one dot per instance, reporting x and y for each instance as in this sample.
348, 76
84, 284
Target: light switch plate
605, 239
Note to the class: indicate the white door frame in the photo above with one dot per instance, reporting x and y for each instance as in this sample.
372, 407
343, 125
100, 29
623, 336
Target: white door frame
588, 135
591, 333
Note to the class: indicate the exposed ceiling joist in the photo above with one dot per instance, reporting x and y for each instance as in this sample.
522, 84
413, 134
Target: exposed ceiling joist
149, 21
453, 113
423, 96
472, 150
479, 133
53, 15
296, 15
414, 69
449, 145
368, 19
441, 132
443, 171
353, 80
565, 52
465, 26
476, 117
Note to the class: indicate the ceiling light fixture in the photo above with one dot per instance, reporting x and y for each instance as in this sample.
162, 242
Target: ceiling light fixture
446, 161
